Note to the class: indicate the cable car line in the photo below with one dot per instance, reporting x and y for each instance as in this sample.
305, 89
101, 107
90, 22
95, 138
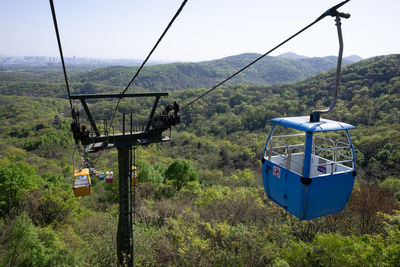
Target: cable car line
330, 12
155, 46
311, 179
53, 12
148, 56
98, 156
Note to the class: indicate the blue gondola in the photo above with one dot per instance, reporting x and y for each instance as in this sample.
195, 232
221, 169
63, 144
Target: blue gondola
309, 170
101, 176
305, 172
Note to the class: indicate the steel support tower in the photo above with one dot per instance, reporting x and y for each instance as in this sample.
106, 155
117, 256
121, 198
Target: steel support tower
94, 141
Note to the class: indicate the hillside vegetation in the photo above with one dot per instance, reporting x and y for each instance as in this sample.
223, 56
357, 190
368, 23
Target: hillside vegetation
165, 77
200, 199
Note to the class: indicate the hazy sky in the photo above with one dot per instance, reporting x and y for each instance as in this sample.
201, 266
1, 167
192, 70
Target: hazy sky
206, 29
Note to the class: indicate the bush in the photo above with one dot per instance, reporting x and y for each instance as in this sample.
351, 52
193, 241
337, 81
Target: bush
16, 180
27, 246
147, 173
181, 172
336, 250
392, 185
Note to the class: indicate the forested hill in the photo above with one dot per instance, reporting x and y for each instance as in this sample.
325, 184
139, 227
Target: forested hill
200, 198
166, 77
365, 84
269, 70
369, 98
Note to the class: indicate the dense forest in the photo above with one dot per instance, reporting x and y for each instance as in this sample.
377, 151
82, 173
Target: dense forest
200, 198
42, 81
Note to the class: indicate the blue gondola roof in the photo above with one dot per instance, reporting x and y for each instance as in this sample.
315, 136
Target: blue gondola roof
304, 124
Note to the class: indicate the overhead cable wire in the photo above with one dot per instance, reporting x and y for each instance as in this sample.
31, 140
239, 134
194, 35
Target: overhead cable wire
53, 12
98, 156
148, 56
245, 67
329, 12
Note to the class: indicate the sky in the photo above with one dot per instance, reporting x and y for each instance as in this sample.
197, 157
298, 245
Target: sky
205, 29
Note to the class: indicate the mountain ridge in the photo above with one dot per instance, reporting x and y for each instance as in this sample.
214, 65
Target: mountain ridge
292, 55
171, 76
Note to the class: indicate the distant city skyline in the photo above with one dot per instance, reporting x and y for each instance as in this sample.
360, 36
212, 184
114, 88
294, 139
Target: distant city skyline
205, 30
4, 59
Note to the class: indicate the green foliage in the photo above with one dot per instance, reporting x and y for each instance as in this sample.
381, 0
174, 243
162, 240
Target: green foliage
52, 206
176, 76
16, 180
53, 180
336, 250
28, 246
392, 224
210, 208
97, 232
181, 172
210, 177
23, 245
147, 173
392, 185
56, 249
36, 126
243, 178
148, 240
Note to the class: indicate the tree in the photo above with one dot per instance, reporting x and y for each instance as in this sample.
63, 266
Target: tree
57, 121
23, 245
366, 204
27, 245
147, 173
392, 185
181, 172
16, 179
88, 88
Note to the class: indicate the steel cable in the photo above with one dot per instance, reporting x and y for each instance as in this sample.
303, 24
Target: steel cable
148, 56
53, 12
329, 12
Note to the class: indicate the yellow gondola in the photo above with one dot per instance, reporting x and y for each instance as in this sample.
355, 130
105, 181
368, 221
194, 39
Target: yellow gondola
82, 183
135, 178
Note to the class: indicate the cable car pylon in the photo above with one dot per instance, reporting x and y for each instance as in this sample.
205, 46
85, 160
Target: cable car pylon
307, 188
95, 141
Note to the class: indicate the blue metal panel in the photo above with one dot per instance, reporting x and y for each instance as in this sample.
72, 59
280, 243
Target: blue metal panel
307, 154
328, 194
295, 193
286, 191
304, 124
275, 184
325, 195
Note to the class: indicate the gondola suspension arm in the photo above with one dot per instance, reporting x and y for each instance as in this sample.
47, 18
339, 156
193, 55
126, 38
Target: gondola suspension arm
316, 114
